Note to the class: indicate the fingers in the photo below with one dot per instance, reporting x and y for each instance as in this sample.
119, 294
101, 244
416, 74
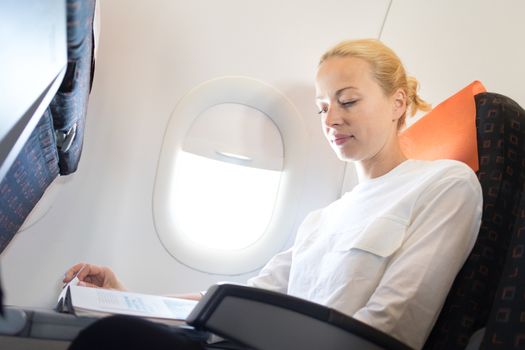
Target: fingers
81, 271
87, 270
72, 271
93, 275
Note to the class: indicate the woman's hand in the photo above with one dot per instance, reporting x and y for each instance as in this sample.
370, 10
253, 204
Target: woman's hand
93, 276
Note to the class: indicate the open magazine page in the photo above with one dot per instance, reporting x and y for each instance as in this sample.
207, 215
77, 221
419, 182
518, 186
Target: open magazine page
90, 301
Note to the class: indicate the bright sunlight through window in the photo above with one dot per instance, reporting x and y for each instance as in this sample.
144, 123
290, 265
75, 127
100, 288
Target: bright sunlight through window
222, 205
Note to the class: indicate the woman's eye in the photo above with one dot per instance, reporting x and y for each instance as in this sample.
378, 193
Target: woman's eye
323, 110
348, 103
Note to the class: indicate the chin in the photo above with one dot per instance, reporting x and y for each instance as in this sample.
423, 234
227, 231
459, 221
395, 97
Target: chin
346, 157
351, 157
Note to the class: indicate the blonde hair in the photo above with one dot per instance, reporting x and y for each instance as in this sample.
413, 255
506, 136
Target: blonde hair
386, 68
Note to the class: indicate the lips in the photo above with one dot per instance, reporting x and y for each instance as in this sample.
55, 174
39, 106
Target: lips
340, 139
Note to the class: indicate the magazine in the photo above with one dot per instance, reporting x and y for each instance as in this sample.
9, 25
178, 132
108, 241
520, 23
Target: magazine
86, 301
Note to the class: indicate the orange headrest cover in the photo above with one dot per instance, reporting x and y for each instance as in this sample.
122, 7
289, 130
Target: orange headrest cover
448, 131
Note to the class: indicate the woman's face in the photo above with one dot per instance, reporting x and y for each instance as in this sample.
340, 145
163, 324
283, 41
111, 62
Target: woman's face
358, 119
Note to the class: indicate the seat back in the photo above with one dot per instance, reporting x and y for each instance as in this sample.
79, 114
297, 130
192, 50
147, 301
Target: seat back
55, 145
487, 289
35, 167
448, 131
501, 126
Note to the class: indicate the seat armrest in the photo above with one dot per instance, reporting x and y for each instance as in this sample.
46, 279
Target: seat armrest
267, 320
42, 324
13, 321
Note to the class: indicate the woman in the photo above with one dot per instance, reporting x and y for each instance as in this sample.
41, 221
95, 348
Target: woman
387, 252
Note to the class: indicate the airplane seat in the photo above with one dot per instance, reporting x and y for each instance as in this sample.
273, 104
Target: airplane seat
35, 167
488, 291
69, 107
53, 148
504, 125
55, 145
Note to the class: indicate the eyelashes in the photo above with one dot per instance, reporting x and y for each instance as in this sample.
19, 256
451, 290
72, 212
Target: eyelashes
346, 104
349, 103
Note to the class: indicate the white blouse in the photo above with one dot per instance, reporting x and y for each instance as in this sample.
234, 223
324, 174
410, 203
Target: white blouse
387, 252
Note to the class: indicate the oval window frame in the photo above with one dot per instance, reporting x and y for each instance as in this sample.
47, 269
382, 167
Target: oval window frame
256, 94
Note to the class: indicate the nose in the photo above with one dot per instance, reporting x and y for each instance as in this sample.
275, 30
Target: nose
332, 117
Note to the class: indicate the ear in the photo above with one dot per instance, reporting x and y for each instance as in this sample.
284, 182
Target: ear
399, 104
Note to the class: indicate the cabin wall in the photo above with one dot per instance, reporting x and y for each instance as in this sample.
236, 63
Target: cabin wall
153, 52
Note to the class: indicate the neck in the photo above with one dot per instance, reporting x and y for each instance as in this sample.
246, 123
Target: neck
380, 164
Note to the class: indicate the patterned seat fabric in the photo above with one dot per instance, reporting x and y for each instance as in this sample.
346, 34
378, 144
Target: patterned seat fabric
506, 321
55, 145
69, 106
489, 279
33, 170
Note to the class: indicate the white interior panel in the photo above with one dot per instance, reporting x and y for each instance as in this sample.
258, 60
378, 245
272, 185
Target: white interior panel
448, 44
152, 53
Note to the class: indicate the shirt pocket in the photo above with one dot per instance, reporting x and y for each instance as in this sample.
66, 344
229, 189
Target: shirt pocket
382, 237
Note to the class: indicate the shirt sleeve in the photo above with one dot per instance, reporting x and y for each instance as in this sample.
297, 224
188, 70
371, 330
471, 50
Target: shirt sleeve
276, 274
439, 238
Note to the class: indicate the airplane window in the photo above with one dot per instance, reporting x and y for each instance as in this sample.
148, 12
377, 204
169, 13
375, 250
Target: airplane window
230, 176
221, 205
227, 176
